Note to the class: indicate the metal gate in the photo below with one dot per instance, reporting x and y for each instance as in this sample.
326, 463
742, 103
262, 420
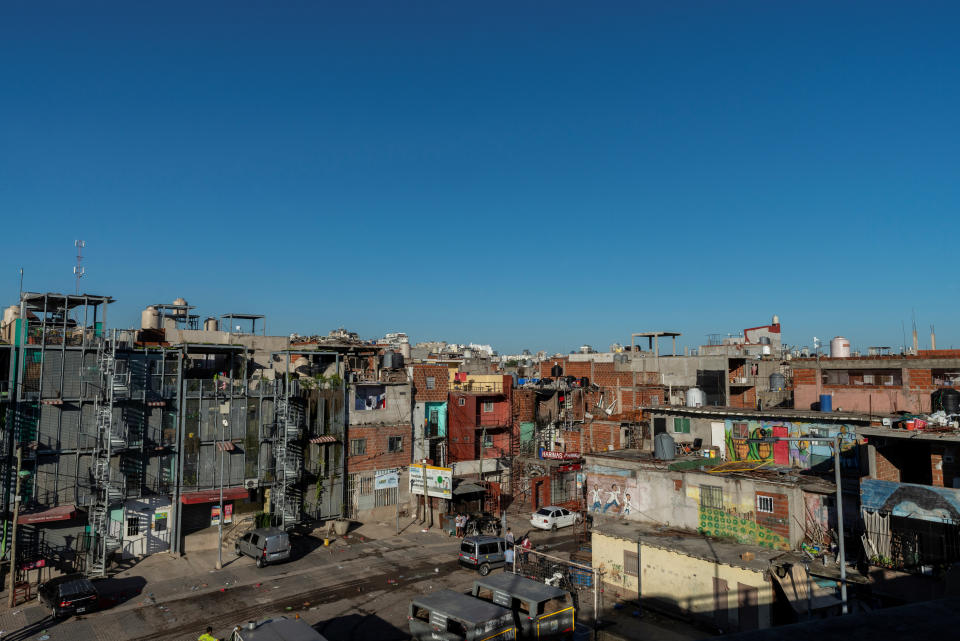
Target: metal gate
580, 579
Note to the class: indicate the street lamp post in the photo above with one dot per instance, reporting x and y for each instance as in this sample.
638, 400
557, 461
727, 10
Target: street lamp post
836, 472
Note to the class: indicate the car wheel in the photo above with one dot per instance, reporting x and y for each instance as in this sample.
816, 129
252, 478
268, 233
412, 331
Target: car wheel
553, 527
236, 550
484, 570
260, 562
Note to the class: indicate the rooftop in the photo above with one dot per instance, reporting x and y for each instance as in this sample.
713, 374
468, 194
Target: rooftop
689, 544
460, 606
772, 412
520, 586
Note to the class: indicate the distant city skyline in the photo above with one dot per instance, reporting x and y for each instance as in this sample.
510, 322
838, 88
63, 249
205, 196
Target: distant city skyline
512, 176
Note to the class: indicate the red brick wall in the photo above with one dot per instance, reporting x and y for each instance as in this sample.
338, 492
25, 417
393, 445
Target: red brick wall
779, 520
886, 470
524, 406
377, 456
441, 376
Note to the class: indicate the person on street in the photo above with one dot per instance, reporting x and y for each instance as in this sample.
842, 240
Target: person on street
208, 635
508, 559
525, 545
509, 538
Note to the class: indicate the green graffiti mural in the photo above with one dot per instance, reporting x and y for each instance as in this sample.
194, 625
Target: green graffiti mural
714, 522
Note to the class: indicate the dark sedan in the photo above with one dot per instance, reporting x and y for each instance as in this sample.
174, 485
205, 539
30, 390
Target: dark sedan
69, 594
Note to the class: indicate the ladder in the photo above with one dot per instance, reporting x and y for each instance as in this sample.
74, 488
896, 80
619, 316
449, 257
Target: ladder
110, 437
288, 457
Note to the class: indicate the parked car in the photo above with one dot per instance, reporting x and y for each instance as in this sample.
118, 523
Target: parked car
277, 629
69, 594
551, 517
451, 616
264, 545
482, 553
540, 611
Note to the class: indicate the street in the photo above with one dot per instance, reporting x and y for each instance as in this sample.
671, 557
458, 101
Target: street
358, 588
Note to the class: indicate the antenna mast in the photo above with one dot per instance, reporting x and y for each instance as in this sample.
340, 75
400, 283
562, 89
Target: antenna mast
78, 271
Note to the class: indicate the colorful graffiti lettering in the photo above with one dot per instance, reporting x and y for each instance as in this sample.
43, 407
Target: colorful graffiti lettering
742, 441
716, 522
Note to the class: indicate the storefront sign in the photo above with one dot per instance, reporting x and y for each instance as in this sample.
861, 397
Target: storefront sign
386, 479
559, 456
569, 467
439, 481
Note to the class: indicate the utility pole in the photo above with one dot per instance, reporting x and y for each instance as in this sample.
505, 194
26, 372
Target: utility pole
425, 504
16, 515
223, 424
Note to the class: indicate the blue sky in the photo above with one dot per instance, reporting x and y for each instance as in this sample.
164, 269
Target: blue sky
524, 174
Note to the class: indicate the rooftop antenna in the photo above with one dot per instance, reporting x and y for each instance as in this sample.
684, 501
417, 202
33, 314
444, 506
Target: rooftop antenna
21, 282
78, 271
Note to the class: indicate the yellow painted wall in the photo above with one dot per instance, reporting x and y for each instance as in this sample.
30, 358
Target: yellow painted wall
677, 580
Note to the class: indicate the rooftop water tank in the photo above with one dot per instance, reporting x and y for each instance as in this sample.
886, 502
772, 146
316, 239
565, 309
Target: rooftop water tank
10, 314
764, 340
947, 400
150, 318
839, 347
211, 324
778, 382
664, 448
556, 371
696, 397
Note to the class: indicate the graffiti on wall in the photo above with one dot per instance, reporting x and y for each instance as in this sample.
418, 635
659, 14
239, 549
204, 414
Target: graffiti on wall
939, 504
800, 454
740, 527
616, 496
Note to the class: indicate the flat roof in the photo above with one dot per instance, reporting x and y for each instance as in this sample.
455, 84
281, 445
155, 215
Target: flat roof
243, 316
655, 334
689, 544
520, 586
34, 300
461, 606
723, 410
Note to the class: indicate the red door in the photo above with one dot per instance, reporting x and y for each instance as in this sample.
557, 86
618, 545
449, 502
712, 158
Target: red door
781, 449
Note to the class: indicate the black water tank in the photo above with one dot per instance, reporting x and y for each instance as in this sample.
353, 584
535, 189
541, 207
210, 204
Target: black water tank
556, 371
947, 400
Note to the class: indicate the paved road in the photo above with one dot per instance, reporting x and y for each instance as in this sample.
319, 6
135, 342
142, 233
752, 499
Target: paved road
356, 592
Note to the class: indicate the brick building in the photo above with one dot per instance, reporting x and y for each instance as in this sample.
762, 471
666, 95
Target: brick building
430, 389
876, 384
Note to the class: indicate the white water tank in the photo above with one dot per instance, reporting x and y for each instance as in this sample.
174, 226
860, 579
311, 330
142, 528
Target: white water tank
180, 301
211, 324
11, 314
839, 347
696, 397
150, 318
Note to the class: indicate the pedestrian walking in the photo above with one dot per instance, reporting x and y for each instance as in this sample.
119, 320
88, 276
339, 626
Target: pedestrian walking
208, 635
508, 559
525, 544
460, 524
508, 537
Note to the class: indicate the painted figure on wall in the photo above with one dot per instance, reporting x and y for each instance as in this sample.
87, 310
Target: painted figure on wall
743, 441
597, 502
613, 499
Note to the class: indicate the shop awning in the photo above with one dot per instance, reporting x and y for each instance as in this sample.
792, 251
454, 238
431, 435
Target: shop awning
59, 513
326, 438
213, 496
468, 488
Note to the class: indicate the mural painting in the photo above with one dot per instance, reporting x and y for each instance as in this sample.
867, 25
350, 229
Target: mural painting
615, 496
801, 454
939, 504
741, 527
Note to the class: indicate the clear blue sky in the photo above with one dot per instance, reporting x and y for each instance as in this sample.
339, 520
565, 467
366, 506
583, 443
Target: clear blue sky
524, 174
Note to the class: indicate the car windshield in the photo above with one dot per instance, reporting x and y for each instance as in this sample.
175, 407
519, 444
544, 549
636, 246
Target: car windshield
467, 547
544, 512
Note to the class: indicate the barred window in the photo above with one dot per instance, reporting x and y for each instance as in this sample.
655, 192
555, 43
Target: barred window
764, 503
431, 382
711, 497
394, 444
366, 485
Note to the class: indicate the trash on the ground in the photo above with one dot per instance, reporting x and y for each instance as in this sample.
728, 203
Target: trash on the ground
436, 570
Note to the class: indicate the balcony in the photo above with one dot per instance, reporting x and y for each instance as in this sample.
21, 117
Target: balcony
477, 387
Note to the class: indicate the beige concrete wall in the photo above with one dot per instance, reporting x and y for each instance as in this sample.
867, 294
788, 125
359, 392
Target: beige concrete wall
675, 581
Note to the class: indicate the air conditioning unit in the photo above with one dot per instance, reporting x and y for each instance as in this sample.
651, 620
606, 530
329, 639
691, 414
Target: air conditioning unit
251, 484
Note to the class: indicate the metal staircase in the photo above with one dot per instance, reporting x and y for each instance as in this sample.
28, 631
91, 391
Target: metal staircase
110, 438
288, 456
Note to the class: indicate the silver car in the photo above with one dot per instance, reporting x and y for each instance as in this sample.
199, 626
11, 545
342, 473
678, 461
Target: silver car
264, 545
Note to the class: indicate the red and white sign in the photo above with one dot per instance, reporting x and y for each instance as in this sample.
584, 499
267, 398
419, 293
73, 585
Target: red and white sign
559, 456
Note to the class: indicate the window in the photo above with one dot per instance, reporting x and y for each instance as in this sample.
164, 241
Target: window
160, 522
681, 425
631, 563
488, 406
461, 401
711, 496
133, 525
366, 485
395, 444
740, 430
488, 440
431, 382
254, 539
764, 504
358, 446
